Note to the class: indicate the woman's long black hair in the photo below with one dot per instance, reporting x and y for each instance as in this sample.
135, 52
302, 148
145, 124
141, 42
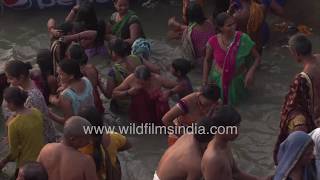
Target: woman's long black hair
45, 63
96, 119
87, 14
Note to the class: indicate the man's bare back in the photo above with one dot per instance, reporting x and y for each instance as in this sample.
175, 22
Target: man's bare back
66, 163
218, 162
181, 161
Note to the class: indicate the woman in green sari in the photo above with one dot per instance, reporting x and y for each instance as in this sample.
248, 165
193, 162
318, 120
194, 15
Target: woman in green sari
229, 51
125, 23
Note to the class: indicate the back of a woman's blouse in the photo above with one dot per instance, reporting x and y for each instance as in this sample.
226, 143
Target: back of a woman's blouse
82, 100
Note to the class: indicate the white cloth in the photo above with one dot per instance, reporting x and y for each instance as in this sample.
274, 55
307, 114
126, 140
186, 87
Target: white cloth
315, 135
155, 177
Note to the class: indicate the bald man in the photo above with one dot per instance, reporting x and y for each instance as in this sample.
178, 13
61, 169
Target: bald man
62, 160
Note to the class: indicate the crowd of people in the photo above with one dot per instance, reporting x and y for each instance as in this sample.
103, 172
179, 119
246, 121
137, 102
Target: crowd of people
226, 47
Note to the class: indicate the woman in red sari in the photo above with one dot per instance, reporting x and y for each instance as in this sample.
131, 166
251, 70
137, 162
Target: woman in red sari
148, 104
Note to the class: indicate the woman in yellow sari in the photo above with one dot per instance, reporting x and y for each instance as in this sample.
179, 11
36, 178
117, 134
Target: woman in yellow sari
104, 147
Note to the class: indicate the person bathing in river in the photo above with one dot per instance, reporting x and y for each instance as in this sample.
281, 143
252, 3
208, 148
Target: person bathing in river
124, 64
32, 171
58, 48
77, 93
226, 61
195, 35
25, 129
44, 77
315, 135
104, 147
125, 24
18, 75
63, 160
301, 108
295, 158
249, 17
191, 109
148, 103
77, 53
218, 162
183, 159
179, 69
86, 28
91, 40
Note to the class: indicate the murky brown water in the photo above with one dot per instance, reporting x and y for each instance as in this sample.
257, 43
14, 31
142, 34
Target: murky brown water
22, 33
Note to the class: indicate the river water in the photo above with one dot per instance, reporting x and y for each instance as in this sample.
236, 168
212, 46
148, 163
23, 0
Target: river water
22, 33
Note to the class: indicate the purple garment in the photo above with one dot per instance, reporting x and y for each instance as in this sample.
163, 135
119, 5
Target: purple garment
199, 40
100, 50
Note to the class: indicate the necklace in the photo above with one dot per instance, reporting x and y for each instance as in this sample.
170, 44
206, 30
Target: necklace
226, 43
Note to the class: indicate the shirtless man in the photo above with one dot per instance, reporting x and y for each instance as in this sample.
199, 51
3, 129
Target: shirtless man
182, 161
218, 162
148, 102
192, 108
62, 160
301, 109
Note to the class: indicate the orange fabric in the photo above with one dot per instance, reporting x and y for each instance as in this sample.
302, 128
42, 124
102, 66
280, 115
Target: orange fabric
172, 139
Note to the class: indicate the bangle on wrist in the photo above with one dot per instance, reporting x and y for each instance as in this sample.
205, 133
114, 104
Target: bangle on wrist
127, 93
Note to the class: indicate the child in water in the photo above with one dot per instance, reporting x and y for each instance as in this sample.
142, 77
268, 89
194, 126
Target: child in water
180, 68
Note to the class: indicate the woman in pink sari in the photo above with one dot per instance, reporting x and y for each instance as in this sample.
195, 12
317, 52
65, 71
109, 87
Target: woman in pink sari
195, 34
229, 51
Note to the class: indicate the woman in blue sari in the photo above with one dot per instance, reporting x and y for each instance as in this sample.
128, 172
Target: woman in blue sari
295, 158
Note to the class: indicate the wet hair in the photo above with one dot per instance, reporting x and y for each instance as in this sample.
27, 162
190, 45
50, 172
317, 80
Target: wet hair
71, 67
34, 171
45, 63
181, 65
96, 119
211, 91
121, 48
142, 72
220, 117
220, 20
16, 68
196, 14
225, 116
65, 28
207, 136
77, 53
101, 31
301, 44
16, 96
93, 116
87, 14
220, 6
